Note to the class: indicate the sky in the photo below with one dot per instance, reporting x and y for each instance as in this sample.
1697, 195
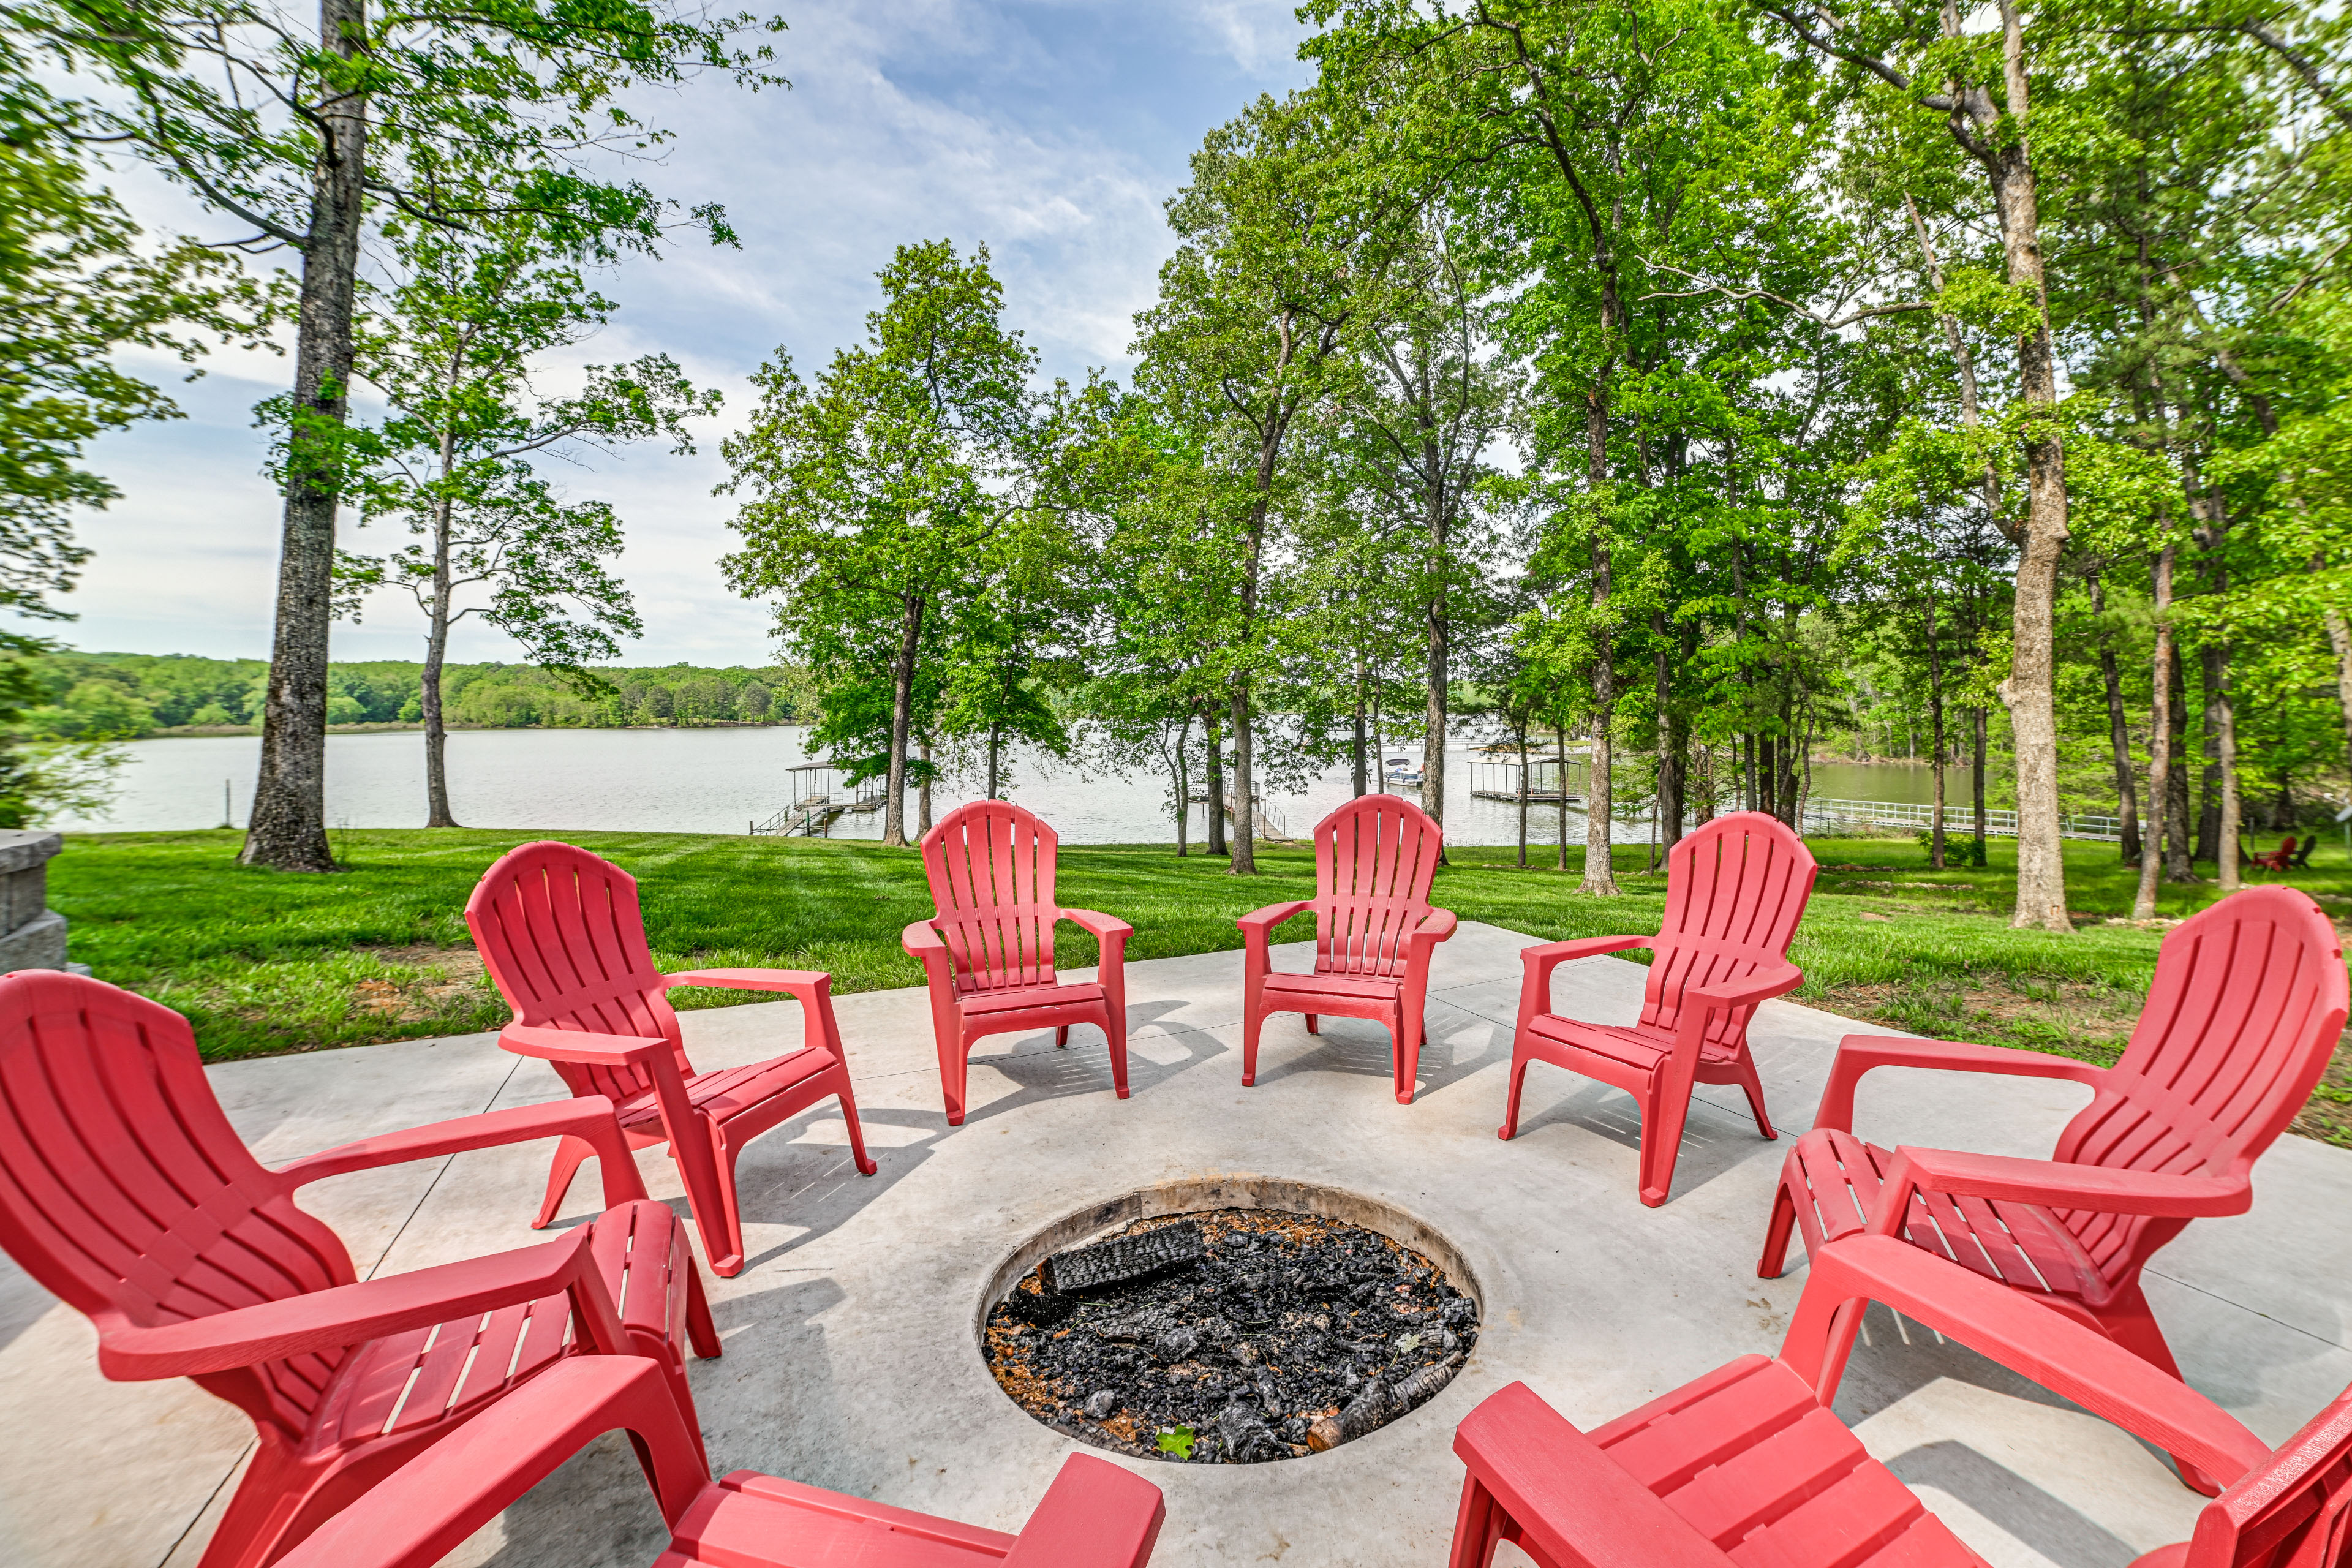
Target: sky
1050, 131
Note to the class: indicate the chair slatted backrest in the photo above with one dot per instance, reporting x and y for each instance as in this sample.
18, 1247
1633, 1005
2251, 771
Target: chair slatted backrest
991, 868
1735, 887
560, 932
2247, 1003
1375, 860
125, 1192
2294, 1511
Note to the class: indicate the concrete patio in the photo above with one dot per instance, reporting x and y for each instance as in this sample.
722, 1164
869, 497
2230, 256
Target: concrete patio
850, 1358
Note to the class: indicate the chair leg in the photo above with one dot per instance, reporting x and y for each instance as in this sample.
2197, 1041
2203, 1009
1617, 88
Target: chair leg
1478, 1526
952, 1050
701, 1330
1314, 1024
1753, 1086
1252, 1018
267, 1501
570, 1153
2128, 1322
707, 1167
1775, 1261
1061, 1036
1661, 1141
865, 1162
1115, 1033
1408, 1055
1520, 1064
730, 1208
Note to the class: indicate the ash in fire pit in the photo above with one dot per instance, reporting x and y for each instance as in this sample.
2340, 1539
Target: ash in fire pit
1231, 1337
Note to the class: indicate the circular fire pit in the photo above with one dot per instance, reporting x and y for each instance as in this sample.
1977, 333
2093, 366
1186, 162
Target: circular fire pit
1237, 1321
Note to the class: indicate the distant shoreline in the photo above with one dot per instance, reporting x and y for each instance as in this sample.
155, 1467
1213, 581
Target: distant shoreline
216, 731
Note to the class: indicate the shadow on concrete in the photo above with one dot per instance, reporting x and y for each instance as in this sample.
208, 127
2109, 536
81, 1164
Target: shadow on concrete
1458, 1045
1040, 1072
1715, 1141
2052, 1527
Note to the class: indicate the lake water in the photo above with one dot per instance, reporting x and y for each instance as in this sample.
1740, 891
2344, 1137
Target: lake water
719, 781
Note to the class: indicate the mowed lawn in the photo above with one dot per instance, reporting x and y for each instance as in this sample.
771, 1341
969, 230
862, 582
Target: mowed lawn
264, 962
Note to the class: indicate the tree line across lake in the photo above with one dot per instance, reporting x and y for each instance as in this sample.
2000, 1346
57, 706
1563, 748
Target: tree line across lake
124, 696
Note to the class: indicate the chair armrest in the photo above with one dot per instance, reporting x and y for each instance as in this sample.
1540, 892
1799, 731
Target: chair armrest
1258, 922
2060, 1184
1100, 926
580, 1045
922, 940
2022, 1335
794, 980
347, 1315
424, 1511
1537, 962
1434, 928
589, 1117
1095, 1515
1857, 1054
1777, 981
1577, 1507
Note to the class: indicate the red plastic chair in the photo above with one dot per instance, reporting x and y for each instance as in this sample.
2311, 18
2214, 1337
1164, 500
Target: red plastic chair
988, 954
1095, 1515
1749, 1465
561, 933
124, 1190
1374, 932
1736, 889
2248, 1001
2278, 860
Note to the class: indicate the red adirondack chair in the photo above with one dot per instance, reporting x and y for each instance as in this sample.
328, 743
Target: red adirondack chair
2247, 1003
124, 1190
1095, 1515
1736, 889
1747, 1464
562, 935
988, 954
1374, 932
2277, 859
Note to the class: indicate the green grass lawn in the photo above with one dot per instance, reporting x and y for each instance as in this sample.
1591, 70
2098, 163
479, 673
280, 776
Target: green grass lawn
265, 962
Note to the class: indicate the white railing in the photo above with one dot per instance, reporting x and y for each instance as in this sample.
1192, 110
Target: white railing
1958, 820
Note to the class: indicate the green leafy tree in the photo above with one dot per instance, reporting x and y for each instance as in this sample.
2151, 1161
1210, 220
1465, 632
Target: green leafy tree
454, 352
874, 495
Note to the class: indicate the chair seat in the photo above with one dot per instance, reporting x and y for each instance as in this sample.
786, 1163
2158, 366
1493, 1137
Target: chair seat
1364, 987
1754, 1463
728, 1093
1834, 1178
1639, 1048
751, 1520
403, 1384
1028, 998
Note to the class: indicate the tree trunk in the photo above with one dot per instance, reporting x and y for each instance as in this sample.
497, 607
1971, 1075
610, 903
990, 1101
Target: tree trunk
288, 830
1359, 743
2208, 784
1523, 796
1559, 743
1935, 739
1432, 749
2225, 842
1183, 790
1244, 857
923, 794
2178, 856
995, 745
436, 650
2029, 691
2118, 732
1219, 844
1676, 764
1977, 783
2339, 638
902, 701
2159, 744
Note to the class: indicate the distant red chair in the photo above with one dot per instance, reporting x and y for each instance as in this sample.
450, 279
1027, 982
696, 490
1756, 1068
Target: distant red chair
988, 954
1747, 1464
2247, 1003
1095, 1515
1375, 858
1736, 889
2278, 860
562, 935
125, 1192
